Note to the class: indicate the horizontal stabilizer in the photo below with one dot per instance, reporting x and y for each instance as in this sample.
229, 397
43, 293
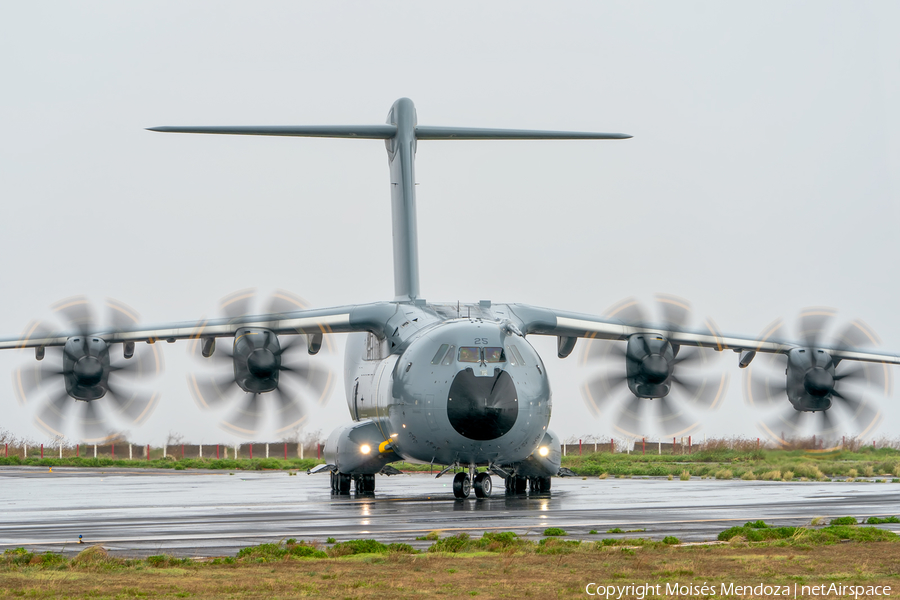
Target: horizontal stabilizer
383, 132
372, 132
474, 133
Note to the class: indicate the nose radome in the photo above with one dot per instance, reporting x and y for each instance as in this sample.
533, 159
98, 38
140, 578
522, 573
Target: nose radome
482, 408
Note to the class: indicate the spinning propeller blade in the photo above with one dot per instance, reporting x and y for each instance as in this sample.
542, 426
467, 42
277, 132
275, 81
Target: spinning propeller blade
122, 403
671, 415
300, 383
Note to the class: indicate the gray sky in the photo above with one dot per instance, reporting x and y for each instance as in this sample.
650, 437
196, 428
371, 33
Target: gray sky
762, 178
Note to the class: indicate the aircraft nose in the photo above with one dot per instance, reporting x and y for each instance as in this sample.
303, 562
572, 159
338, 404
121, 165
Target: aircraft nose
482, 408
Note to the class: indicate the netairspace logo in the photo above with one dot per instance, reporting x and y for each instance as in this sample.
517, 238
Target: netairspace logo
641, 590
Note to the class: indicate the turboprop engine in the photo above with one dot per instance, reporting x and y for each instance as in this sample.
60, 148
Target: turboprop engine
257, 360
86, 367
649, 362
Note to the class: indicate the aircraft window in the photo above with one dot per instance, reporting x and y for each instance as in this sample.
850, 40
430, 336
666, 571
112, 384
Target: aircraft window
494, 355
512, 359
450, 356
471, 354
518, 356
440, 354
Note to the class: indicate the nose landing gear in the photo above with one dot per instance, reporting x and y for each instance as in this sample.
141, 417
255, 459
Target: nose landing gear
463, 484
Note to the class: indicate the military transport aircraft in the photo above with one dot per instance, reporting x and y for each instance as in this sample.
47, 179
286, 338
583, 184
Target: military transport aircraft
458, 386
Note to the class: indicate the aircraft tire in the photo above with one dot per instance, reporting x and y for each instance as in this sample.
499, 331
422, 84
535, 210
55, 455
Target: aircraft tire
343, 483
520, 485
368, 483
461, 485
544, 484
483, 485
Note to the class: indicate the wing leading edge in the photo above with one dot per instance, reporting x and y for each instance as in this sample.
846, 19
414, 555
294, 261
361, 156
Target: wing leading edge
343, 319
545, 321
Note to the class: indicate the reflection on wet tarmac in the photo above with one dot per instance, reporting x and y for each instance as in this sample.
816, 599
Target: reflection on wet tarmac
203, 513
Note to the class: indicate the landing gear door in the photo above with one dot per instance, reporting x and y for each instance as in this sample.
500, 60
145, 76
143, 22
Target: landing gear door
355, 400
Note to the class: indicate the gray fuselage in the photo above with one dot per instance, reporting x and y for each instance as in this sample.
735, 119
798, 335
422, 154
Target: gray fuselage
460, 385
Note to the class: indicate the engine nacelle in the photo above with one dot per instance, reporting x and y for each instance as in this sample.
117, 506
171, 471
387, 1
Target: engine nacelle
257, 360
649, 362
810, 379
86, 367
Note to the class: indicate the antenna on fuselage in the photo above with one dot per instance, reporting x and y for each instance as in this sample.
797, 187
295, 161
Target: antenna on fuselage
401, 133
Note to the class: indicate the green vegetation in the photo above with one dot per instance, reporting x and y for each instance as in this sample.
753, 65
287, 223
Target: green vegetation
497, 565
230, 464
880, 520
368, 547
550, 531
671, 539
271, 552
747, 463
722, 460
840, 529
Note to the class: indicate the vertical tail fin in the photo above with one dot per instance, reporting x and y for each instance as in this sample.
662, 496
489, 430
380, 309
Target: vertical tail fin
400, 135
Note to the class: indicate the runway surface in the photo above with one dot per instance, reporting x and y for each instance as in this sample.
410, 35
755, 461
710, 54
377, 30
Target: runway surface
214, 513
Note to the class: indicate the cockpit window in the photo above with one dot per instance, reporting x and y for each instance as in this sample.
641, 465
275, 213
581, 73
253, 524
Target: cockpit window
440, 354
512, 358
494, 355
518, 356
469, 354
451, 354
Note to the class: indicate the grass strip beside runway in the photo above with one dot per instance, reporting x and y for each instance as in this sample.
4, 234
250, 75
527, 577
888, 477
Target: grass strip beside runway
494, 566
720, 463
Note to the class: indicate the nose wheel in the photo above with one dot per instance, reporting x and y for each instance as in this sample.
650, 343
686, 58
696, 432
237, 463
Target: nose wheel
483, 485
463, 484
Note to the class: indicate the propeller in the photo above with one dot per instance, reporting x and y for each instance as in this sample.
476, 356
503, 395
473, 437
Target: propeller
810, 371
652, 359
289, 382
87, 365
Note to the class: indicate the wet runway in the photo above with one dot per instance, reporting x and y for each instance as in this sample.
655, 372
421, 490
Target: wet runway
214, 513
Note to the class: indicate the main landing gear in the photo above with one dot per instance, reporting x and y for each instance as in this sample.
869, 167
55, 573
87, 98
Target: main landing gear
340, 483
518, 485
463, 484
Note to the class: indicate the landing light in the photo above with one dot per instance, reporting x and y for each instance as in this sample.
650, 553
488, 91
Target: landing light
543, 450
365, 448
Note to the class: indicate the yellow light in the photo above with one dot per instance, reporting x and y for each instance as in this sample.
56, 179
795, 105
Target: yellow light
543, 450
365, 448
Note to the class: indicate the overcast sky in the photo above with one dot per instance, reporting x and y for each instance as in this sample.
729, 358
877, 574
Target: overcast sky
762, 177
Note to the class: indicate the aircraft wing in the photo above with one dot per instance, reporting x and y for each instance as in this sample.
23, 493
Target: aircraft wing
342, 319
563, 324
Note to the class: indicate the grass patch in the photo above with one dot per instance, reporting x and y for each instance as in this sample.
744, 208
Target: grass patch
758, 531
281, 551
880, 520
554, 531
